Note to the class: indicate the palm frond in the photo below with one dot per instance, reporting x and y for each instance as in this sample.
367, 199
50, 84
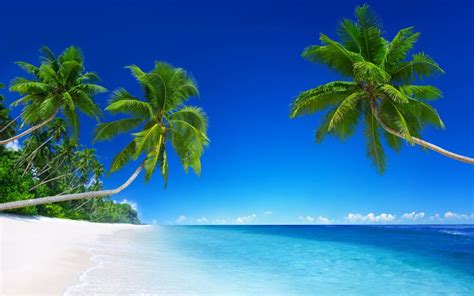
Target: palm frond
194, 116
73, 121
349, 34
86, 104
423, 92
333, 54
154, 157
123, 157
72, 53
124, 102
392, 93
375, 150
106, 131
147, 138
346, 107
393, 117
425, 113
421, 66
366, 71
398, 49
49, 58
29, 68
321, 97
370, 34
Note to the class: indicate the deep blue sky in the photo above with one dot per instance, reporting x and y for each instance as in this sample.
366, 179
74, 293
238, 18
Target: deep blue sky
245, 56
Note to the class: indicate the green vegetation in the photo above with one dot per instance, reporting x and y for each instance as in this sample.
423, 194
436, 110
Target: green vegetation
164, 118
58, 84
50, 163
382, 89
53, 165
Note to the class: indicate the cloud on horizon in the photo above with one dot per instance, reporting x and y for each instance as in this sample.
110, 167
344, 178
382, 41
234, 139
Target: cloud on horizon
370, 218
413, 216
460, 217
351, 218
245, 219
314, 220
181, 219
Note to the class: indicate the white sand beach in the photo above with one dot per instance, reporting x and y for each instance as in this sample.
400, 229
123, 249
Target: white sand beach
44, 256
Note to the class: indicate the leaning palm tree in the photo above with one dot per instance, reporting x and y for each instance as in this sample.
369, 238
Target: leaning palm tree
58, 85
162, 120
381, 89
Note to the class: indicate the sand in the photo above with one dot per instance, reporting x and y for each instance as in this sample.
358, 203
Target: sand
44, 256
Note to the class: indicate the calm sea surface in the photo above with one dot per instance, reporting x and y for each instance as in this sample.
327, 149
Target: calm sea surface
284, 260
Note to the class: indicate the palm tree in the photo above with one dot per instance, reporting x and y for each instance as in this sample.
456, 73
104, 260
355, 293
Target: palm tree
6, 123
57, 129
381, 89
58, 84
163, 120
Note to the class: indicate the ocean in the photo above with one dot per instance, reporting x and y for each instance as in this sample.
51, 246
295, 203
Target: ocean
283, 260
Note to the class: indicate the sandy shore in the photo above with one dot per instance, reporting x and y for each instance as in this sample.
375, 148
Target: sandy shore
44, 256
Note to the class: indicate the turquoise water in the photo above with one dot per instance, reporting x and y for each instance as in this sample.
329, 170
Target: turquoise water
284, 260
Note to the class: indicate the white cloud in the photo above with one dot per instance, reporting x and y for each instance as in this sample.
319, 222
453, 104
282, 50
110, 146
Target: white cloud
220, 221
323, 220
132, 204
267, 213
13, 146
307, 219
413, 216
202, 220
245, 219
370, 218
455, 216
435, 217
318, 220
154, 222
181, 219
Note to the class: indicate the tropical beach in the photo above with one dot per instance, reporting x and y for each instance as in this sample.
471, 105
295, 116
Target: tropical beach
238, 148
83, 258
59, 256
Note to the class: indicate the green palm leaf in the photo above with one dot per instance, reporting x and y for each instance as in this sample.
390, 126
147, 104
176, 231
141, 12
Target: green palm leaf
344, 109
424, 92
374, 146
398, 48
106, 131
421, 66
321, 97
123, 157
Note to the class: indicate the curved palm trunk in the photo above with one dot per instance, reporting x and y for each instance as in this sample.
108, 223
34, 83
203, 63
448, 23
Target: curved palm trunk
66, 197
10, 123
52, 179
28, 131
420, 142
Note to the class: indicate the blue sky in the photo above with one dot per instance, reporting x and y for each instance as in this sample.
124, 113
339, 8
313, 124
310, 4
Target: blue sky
262, 167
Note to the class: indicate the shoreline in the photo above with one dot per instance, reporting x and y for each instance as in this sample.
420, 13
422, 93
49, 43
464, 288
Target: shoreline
45, 256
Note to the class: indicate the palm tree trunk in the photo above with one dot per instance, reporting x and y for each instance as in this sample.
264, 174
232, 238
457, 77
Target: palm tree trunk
66, 197
52, 179
28, 131
36, 150
33, 155
420, 142
10, 123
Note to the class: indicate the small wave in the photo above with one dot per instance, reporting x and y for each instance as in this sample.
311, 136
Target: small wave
457, 232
